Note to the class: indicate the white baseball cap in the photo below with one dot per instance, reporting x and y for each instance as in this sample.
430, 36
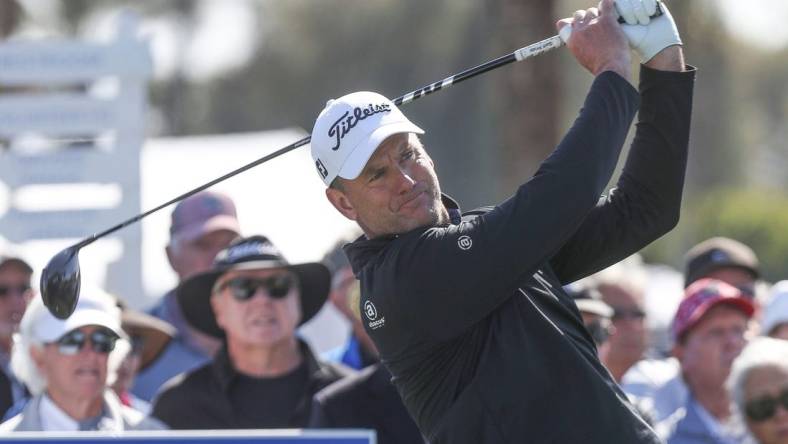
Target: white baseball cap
776, 311
94, 307
349, 130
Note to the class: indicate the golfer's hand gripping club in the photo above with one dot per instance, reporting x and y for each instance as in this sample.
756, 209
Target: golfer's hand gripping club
648, 25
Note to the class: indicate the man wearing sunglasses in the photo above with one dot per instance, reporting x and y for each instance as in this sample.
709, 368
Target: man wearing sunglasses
15, 293
622, 288
68, 366
264, 376
759, 387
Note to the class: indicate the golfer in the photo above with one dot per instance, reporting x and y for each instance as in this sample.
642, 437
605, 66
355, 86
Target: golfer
468, 311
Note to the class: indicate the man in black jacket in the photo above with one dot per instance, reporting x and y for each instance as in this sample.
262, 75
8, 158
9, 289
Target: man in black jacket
264, 376
468, 312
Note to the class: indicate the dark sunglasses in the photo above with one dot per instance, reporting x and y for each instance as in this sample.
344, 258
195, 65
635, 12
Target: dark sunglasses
623, 313
101, 341
21, 289
243, 288
763, 408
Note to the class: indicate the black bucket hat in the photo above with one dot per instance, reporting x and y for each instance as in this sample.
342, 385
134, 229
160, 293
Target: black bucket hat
251, 253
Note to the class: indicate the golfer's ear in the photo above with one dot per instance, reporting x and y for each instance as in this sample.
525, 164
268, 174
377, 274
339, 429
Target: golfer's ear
340, 201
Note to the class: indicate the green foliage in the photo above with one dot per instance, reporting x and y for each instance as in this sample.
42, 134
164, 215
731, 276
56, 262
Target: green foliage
759, 218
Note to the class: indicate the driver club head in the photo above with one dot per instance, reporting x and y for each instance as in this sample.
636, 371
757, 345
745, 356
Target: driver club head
60, 282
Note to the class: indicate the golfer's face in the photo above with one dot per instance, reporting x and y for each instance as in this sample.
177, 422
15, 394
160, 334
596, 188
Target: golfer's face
398, 189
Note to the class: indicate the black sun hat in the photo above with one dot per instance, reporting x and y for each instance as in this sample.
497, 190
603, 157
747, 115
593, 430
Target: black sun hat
251, 253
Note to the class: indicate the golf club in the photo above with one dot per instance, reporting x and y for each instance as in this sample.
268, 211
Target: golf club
60, 279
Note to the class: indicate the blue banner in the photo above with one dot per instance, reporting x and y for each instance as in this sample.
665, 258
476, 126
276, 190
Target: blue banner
212, 436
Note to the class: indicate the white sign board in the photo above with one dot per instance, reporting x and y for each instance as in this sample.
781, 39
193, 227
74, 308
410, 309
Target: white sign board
49, 92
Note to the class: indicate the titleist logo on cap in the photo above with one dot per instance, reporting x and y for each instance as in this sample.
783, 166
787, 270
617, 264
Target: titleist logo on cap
348, 121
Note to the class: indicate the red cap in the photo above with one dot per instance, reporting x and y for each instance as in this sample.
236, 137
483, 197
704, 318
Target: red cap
701, 296
202, 213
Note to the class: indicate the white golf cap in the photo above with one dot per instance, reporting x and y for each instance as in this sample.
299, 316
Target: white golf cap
94, 307
349, 130
776, 311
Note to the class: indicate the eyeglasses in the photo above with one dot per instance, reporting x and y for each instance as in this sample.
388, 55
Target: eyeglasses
20, 289
101, 341
625, 313
243, 288
763, 408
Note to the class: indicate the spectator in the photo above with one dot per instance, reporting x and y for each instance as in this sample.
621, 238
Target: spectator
628, 340
724, 259
148, 336
759, 387
264, 376
15, 293
202, 225
775, 315
709, 333
596, 314
624, 293
359, 351
67, 365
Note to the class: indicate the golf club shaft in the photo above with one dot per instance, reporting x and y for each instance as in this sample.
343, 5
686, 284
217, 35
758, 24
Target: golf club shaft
516, 56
